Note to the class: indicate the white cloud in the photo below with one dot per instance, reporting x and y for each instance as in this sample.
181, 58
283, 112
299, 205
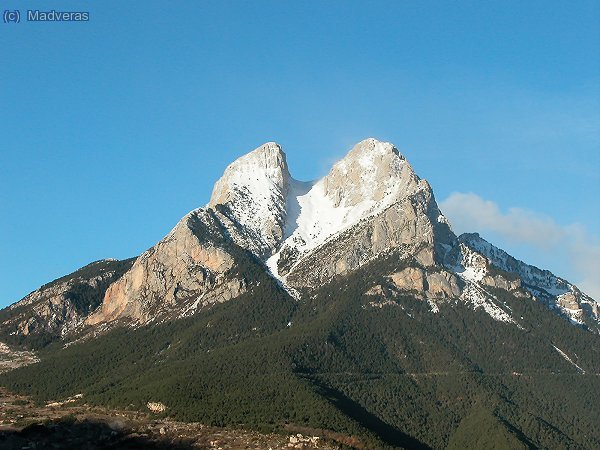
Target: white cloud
469, 212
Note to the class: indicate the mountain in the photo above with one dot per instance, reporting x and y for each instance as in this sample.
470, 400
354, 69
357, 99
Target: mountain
58, 309
555, 292
345, 304
371, 203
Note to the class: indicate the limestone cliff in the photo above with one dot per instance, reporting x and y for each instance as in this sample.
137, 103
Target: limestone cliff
60, 307
371, 202
188, 268
304, 234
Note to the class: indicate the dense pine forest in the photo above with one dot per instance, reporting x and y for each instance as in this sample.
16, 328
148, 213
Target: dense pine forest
383, 370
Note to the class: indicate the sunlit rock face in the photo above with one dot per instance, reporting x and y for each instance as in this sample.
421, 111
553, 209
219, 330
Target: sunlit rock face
186, 267
370, 205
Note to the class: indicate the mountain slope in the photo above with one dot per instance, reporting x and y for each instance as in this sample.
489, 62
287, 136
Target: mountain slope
345, 304
59, 308
370, 202
555, 292
379, 367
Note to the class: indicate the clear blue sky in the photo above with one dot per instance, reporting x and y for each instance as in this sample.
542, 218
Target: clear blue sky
111, 130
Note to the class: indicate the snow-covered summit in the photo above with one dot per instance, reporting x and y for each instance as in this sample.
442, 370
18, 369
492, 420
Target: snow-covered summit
252, 195
261, 171
371, 172
369, 203
368, 180
266, 210
371, 177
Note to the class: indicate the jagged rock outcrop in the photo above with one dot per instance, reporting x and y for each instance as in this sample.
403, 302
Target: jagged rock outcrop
409, 279
371, 202
443, 284
188, 268
60, 307
433, 285
501, 282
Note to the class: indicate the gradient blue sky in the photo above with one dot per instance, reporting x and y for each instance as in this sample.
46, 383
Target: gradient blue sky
111, 130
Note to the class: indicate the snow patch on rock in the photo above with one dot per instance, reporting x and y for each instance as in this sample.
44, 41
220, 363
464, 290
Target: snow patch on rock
556, 292
371, 178
479, 298
566, 357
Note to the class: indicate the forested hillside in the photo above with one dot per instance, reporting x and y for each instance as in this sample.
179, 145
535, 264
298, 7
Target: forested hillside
381, 368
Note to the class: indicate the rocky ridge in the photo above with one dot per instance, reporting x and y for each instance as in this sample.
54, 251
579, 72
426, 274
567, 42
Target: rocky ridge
369, 205
185, 270
60, 308
542, 285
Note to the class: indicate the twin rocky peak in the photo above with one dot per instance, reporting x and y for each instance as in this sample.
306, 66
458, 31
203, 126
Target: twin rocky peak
369, 205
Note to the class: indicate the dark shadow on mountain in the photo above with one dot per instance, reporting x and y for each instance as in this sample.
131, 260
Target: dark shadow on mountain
387, 433
83, 435
519, 434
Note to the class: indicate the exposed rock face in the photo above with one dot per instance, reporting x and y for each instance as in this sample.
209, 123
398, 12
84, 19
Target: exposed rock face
501, 282
60, 307
187, 267
433, 285
409, 279
404, 226
50, 308
569, 303
252, 194
443, 284
371, 202
369, 205
372, 171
